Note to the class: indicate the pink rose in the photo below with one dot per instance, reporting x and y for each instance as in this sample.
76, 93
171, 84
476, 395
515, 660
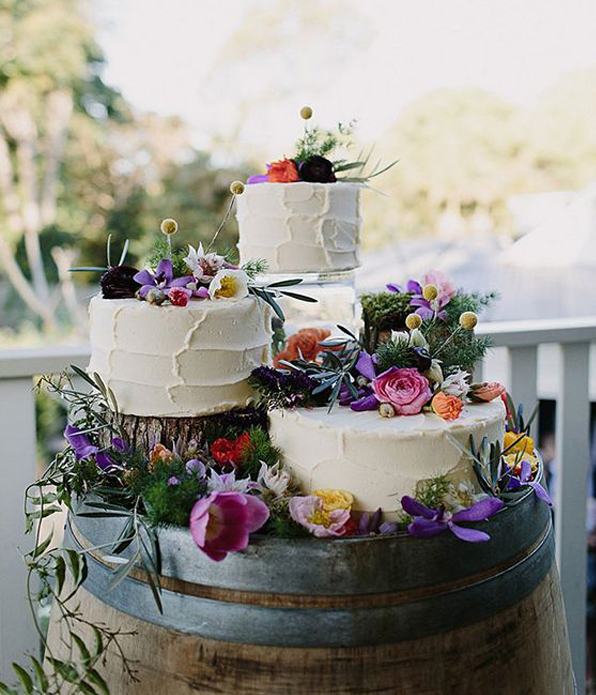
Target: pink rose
442, 282
405, 388
486, 391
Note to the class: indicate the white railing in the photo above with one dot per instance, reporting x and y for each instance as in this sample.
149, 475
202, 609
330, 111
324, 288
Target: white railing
549, 359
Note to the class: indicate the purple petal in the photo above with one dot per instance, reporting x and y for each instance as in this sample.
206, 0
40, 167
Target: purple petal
413, 286
424, 313
80, 443
103, 460
165, 270
442, 315
514, 483
181, 282
470, 535
144, 277
258, 178
415, 508
394, 288
541, 493
525, 471
419, 301
173, 480
375, 520
365, 365
195, 466
119, 444
388, 527
202, 293
480, 511
363, 526
425, 528
366, 403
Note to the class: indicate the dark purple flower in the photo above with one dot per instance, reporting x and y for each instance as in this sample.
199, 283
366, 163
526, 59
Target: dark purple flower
83, 449
258, 178
369, 524
119, 282
430, 522
422, 358
163, 278
317, 169
367, 402
525, 478
411, 286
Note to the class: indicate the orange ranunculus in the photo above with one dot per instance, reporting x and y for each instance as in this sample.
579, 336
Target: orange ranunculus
446, 406
305, 342
160, 453
283, 171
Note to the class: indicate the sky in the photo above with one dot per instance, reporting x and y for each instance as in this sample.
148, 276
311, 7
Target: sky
162, 56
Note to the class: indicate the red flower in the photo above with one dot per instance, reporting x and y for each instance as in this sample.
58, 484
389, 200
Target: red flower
179, 296
350, 528
230, 452
283, 171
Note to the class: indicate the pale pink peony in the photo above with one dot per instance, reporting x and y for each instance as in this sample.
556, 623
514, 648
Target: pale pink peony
222, 523
310, 513
442, 282
405, 388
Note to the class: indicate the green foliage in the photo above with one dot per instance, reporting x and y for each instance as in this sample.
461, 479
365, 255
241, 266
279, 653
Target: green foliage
317, 142
259, 449
394, 353
431, 492
161, 250
171, 504
468, 301
255, 267
281, 525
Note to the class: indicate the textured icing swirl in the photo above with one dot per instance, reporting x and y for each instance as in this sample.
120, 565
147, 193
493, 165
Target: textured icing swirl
172, 361
300, 227
378, 459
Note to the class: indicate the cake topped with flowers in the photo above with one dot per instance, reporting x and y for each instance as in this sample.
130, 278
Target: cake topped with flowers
180, 337
303, 214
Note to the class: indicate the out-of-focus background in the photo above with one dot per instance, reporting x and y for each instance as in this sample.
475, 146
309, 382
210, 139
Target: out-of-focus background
117, 113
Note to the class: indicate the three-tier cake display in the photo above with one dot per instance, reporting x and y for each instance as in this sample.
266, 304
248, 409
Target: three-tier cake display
326, 514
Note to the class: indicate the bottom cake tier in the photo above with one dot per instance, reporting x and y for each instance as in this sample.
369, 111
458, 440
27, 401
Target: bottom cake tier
380, 459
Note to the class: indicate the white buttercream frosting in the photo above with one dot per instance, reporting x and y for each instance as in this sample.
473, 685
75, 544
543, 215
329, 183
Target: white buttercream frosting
300, 227
380, 459
170, 361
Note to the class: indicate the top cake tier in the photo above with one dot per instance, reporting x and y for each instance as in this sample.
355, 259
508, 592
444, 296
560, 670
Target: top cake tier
170, 361
300, 227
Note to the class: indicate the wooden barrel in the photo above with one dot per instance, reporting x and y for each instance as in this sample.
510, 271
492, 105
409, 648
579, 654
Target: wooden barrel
356, 616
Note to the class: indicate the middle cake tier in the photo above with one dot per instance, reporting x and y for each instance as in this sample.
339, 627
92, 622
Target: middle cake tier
170, 361
380, 459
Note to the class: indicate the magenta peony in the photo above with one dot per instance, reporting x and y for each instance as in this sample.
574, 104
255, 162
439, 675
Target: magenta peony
405, 388
222, 523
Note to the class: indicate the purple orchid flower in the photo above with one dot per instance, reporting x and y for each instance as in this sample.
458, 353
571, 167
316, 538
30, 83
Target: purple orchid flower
366, 400
430, 309
430, 522
525, 478
163, 279
83, 449
258, 178
411, 286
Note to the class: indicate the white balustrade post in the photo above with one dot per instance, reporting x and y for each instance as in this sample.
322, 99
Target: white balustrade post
523, 366
17, 470
572, 461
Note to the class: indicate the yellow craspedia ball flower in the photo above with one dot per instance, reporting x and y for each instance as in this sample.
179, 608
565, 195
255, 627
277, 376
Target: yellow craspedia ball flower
513, 461
430, 292
306, 112
335, 499
525, 444
168, 226
237, 187
468, 320
413, 321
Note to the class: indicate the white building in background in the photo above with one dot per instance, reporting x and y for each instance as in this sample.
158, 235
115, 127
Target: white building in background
559, 230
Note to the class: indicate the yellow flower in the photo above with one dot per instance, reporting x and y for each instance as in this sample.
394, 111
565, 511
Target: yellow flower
413, 321
430, 292
306, 113
468, 320
514, 461
237, 187
169, 226
335, 499
524, 445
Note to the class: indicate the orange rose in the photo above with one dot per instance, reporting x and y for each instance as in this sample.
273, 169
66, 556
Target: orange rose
305, 342
283, 171
446, 406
